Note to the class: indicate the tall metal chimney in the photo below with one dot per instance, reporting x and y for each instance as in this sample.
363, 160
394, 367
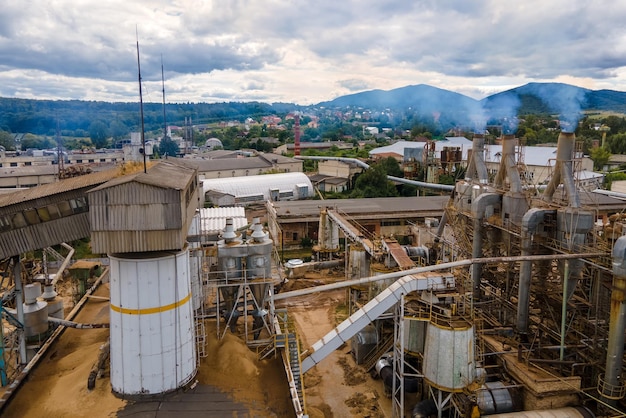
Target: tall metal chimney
296, 148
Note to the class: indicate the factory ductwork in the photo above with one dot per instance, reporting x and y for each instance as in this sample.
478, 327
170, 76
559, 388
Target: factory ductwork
610, 386
483, 203
384, 368
508, 166
514, 202
476, 168
563, 170
530, 222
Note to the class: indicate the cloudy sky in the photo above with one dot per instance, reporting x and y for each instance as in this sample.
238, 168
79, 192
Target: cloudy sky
302, 51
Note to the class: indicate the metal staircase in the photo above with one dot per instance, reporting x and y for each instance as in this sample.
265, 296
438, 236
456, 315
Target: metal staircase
287, 339
374, 355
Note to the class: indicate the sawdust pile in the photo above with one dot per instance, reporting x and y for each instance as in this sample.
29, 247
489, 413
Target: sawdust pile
235, 369
365, 405
58, 386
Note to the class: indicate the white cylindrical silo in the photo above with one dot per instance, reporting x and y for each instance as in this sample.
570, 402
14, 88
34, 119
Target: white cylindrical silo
152, 332
195, 278
449, 362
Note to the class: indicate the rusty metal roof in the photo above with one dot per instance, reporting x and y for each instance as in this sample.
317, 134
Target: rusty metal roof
164, 174
74, 183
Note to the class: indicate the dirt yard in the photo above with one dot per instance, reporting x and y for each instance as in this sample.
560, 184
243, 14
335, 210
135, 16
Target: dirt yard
335, 388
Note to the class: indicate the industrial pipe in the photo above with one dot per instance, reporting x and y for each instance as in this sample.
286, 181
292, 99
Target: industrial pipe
66, 323
424, 409
384, 368
435, 267
563, 170
68, 258
361, 164
479, 207
567, 412
611, 387
14, 386
531, 220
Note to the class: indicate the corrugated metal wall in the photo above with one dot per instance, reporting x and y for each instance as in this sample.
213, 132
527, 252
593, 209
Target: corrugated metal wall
135, 217
45, 234
135, 206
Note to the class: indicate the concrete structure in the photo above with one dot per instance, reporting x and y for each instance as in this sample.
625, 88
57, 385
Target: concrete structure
289, 222
235, 164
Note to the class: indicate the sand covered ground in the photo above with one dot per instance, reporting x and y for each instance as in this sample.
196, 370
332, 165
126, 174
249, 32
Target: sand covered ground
335, 388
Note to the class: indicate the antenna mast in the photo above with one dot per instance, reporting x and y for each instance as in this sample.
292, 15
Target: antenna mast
163, 84
60, 159
143, 138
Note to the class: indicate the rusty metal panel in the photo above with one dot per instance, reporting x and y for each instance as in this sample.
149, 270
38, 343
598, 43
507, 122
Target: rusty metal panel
136, 241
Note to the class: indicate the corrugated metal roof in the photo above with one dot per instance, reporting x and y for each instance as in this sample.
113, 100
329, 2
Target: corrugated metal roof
36, 170
262, 161
164, 174
74, 183
213, 220
354, 207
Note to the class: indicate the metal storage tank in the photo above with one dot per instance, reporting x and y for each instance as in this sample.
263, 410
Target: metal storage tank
195, 277
449, 362
54, 302
152, 330
35, 312
414, 335
358, 266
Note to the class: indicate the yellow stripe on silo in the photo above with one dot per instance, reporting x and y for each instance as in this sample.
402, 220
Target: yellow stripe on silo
157, 309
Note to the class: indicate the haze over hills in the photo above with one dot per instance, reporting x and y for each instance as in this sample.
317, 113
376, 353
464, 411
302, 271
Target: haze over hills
446, 107
532, 98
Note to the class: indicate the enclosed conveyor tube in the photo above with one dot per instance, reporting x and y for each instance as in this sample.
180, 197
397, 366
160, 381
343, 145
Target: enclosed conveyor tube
479, 208
531, 220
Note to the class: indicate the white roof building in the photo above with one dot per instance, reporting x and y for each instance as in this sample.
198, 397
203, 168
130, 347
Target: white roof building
254, 189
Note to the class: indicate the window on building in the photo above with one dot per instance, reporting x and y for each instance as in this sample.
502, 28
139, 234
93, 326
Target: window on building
31, 216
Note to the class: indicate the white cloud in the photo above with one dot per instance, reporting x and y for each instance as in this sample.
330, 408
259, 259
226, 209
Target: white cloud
303, 52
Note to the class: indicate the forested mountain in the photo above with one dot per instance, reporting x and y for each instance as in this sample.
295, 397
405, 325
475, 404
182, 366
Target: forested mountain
74, 117
41, 116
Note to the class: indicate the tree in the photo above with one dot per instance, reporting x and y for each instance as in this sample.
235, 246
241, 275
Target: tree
391, 167
373, 183
167, 147
98, 132
600, 157
36, 142
7, 141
